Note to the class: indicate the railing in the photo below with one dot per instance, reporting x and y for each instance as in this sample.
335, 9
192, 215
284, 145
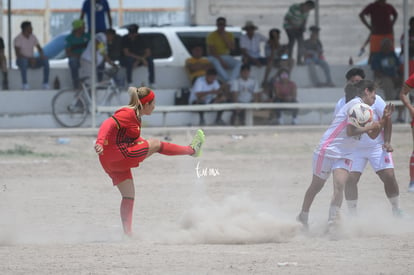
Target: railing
248, 107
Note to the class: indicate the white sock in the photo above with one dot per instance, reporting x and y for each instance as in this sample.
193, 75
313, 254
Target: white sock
304, 216
352, 206
395, 202
333, 211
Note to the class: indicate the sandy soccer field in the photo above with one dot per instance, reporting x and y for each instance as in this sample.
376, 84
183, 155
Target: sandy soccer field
230, 212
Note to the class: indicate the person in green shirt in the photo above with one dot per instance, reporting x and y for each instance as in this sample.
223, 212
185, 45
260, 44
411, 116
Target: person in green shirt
76, 43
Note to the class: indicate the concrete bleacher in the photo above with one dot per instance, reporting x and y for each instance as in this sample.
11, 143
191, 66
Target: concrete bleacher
32, 109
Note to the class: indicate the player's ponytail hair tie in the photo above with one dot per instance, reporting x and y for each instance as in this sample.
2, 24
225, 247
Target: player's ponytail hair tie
148, 98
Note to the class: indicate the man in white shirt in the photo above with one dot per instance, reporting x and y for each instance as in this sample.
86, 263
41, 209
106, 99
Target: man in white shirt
24, 45
101, 56
250, 43
244, 89
206, 90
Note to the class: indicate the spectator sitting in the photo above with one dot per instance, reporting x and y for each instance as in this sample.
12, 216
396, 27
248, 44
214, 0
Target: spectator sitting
76, 43
3, 65
284, 90
114, 46
244, 89
250, 43
314, 56
385, 66
219, 44
101, 9
277, 54
101, 56
197, 64
24, 45
136, 52
206, 90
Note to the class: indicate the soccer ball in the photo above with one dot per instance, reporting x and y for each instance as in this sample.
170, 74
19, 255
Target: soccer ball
360, 115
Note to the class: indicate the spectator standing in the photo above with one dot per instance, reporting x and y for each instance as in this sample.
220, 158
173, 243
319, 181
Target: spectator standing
284, 90
277, 54
313, 51
244, 89
410, 48
206, 90
24, 45
404, 97
386, 68
295, 25
3, 65
101, 9
250, 43
137, 52
382, 19
76, 43
197, 64
219, 45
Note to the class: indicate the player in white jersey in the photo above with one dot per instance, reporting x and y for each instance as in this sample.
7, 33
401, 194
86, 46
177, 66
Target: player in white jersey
375, 151
334, 151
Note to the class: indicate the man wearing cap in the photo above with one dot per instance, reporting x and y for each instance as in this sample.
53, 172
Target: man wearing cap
219, 44
24, 45
76, 43
295, 25
313, 52
136, 52
250, 43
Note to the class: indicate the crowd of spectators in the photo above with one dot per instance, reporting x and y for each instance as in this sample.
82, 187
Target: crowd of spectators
215, 75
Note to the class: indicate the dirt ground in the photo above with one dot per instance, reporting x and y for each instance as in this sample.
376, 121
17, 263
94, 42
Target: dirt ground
232, 211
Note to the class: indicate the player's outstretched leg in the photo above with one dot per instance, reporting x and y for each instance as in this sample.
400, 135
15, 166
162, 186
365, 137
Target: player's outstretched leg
197, 143
171, 149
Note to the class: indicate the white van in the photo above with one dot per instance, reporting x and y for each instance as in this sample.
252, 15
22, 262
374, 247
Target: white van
170, 45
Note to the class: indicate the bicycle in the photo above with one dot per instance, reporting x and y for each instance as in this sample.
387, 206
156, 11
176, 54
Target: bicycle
71, 107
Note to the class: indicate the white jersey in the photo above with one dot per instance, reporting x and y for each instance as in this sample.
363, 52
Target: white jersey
335, 142
201, 85
245, 88
378, 109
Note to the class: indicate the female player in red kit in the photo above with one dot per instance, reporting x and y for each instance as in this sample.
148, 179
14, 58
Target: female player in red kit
121, 147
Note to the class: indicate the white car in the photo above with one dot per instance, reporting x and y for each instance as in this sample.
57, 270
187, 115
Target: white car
170, 45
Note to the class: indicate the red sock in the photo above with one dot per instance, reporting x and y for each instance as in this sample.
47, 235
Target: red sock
412, 167
172, 149
127, 206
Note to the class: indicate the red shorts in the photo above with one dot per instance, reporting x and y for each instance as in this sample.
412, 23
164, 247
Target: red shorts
118, 166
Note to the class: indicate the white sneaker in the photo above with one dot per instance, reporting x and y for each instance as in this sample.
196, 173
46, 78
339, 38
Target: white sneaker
26, 87
303, 219
45, 86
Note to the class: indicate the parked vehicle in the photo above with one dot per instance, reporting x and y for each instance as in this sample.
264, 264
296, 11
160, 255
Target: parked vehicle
170, 45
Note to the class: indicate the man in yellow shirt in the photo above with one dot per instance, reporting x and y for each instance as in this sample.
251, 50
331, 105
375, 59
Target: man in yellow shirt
197, 64
219, 44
